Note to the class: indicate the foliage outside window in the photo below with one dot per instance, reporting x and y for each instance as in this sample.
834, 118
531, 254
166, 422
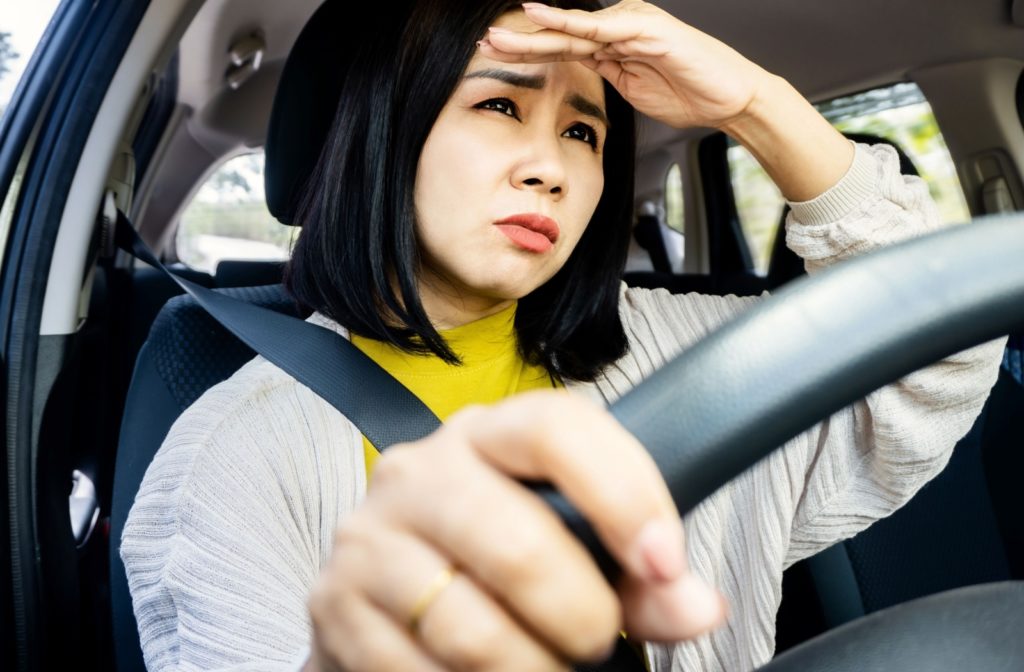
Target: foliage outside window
759, 204
898, 113
21, 27
674, 198
228, 219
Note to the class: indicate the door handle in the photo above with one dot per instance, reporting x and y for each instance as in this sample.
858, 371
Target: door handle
84, 506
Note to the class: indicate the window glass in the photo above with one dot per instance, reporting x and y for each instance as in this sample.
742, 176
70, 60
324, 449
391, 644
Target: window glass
901, 114
21, 26
228, 219
759, 204
898, 113
674, 198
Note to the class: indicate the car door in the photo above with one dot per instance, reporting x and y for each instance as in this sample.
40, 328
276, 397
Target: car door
43, 137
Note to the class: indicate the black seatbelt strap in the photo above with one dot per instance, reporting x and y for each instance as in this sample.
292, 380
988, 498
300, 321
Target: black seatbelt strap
383, 409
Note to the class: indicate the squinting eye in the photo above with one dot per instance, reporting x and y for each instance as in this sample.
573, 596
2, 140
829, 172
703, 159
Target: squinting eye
503, 105
585, 133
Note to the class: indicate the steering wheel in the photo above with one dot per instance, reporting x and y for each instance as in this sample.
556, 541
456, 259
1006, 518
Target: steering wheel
814, 347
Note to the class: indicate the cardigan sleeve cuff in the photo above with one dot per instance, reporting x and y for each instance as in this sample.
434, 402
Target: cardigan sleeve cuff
859, 184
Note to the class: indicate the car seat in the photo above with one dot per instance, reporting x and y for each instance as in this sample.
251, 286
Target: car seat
187, 351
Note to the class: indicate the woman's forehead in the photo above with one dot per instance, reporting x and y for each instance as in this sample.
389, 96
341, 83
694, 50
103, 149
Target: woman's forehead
576, 75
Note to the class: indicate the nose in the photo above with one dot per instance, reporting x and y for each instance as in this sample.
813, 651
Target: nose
542, 167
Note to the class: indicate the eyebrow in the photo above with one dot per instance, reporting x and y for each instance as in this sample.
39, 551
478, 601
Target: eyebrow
536, 82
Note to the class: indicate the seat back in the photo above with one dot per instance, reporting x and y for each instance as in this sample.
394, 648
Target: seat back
186, 353
963, 528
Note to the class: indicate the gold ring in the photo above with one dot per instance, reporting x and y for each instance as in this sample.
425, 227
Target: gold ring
441, 581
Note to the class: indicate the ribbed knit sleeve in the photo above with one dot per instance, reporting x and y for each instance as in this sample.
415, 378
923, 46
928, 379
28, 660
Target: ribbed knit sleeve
834, 480
233, 521
902, 435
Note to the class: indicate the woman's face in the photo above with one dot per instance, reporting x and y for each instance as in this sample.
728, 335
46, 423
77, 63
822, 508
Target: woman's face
513, 140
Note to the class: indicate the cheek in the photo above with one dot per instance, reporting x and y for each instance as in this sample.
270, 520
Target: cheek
590, 186
450, 176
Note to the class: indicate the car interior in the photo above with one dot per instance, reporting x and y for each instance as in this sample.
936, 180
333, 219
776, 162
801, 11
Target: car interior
136, 106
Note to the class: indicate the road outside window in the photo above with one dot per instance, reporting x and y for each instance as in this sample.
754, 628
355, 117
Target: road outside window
228, 219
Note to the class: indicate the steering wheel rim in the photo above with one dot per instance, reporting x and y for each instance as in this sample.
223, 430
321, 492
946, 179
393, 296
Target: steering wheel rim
814, 347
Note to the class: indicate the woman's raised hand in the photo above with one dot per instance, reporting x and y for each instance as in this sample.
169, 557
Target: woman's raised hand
664, 68
451, 563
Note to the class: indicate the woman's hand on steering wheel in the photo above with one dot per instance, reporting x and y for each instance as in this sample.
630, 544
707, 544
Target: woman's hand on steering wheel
523, 593
664, 68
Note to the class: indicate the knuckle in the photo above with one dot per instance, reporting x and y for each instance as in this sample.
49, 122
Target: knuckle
519, 558
596, 628
394, 466
351, 531
373, 655
317, 603
466, 414
326, 602
475, 644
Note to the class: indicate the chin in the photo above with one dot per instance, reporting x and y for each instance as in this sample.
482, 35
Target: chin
511, 281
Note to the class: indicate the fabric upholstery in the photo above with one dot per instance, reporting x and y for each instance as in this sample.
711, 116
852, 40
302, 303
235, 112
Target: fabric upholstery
187, 352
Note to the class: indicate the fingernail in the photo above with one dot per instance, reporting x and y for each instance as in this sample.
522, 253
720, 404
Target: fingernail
657, 550
535, 5
495, 29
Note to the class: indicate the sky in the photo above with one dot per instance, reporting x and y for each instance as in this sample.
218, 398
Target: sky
25, 20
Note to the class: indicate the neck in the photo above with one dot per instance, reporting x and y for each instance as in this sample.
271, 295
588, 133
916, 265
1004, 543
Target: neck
448, 307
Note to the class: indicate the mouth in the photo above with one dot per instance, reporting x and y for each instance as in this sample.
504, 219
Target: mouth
531, 232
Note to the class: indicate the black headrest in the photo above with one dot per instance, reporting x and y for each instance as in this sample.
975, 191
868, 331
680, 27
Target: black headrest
304, 106
907, 166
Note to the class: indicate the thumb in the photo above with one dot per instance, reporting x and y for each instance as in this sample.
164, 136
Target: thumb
670, 611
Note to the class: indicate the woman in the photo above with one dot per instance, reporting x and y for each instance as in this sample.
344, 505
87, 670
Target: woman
466, 227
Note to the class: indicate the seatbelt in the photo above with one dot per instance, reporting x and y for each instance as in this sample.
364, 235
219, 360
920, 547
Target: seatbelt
383, 409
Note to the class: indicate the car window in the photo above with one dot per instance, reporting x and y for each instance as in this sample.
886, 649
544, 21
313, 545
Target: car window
21, 26
674, 211
228, 219
898, 113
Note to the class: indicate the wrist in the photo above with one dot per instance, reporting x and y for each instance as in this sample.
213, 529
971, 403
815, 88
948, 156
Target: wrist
761, 112
761, 116
798, 148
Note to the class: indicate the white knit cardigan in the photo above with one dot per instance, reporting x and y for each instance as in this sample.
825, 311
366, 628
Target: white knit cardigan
235, 515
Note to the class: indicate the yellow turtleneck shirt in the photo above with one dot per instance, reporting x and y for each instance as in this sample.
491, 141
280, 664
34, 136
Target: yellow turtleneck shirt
491, 369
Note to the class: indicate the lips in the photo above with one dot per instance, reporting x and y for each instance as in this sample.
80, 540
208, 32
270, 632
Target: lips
531, 232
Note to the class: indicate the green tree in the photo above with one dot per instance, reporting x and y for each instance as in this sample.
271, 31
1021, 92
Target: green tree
7, 53
228, 181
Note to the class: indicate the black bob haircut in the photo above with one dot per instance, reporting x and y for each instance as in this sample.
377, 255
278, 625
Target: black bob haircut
358, 238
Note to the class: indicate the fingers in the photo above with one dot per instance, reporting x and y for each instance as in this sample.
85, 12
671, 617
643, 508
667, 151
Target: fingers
617, 23
670, 611
459, 625
615, 484
467, 630
506, 538
525, 594
624, 31
596, 464
353, 634
539, 47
